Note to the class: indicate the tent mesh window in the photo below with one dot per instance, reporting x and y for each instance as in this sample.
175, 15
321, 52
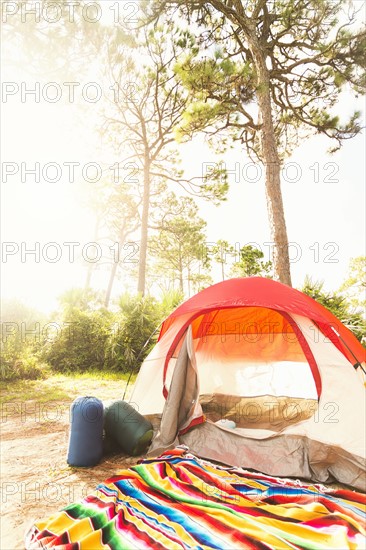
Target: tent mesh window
252, 368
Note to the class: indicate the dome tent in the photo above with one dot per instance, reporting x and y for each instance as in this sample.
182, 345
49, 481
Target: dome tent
273, 361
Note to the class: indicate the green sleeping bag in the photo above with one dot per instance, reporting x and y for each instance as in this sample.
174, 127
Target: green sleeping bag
128, 428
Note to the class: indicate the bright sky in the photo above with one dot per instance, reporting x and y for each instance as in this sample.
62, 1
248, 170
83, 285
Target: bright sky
324, 198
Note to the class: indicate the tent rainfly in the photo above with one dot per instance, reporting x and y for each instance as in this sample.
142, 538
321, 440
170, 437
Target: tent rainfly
250, 372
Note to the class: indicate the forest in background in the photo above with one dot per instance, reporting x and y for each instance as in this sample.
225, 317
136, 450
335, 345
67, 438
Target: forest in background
267, 74
83, 335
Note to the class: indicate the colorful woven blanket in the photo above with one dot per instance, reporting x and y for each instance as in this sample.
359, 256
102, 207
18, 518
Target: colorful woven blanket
181, 502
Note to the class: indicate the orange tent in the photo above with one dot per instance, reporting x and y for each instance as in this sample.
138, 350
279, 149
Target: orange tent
254, 373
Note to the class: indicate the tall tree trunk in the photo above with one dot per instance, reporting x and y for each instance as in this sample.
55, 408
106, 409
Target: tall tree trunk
281, 260
144, 227
181, 286
121, 239
91, 265
89, 276
110, 284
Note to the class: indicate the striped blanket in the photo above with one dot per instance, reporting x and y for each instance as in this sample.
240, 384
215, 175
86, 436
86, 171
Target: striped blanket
179, 501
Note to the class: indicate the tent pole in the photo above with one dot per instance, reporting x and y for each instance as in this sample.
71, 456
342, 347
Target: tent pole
357, 364
141, 350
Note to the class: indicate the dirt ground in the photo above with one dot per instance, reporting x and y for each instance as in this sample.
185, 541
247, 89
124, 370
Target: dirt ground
35, 478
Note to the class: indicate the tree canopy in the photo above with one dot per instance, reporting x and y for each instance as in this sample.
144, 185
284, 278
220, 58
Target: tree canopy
270, 72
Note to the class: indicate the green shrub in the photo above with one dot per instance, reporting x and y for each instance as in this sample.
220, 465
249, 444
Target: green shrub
169, 301
20, 359
339, 306
138, 320
27, 368
81, 341
20, 342
83, 336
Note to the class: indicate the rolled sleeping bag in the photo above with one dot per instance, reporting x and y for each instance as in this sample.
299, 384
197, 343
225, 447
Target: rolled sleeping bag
128, 428
86, 432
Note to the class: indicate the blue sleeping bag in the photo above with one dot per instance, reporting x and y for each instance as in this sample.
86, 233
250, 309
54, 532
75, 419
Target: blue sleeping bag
86, 432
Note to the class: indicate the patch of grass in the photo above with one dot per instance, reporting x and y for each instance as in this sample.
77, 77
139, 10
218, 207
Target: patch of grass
65, 388
95, 375
29, 390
